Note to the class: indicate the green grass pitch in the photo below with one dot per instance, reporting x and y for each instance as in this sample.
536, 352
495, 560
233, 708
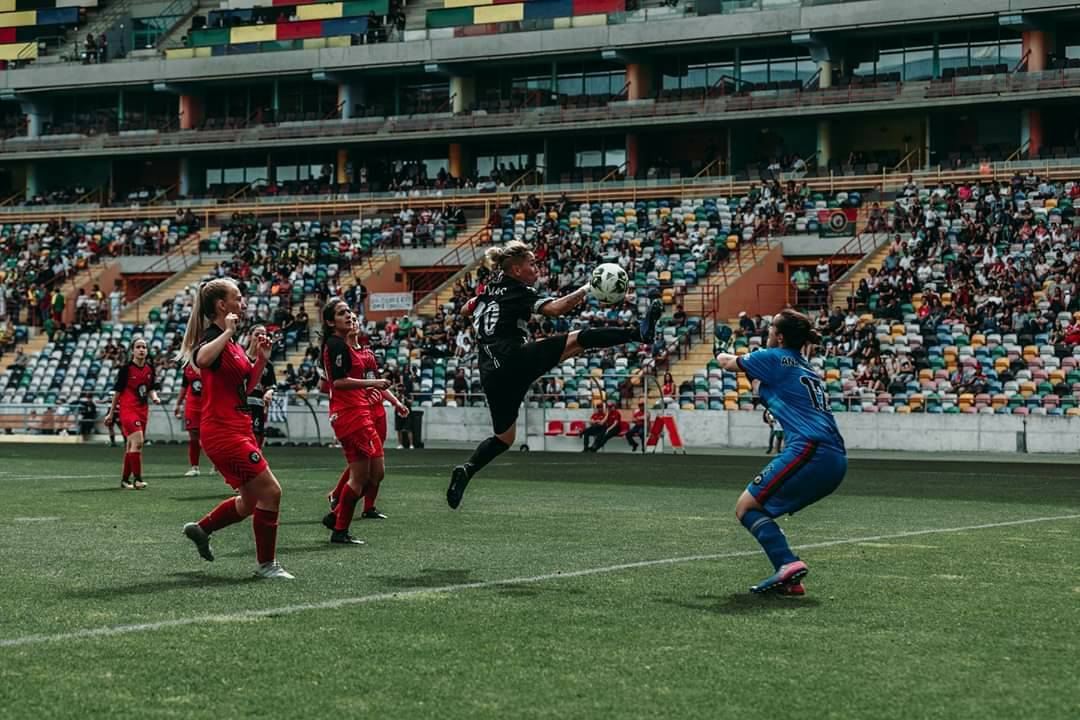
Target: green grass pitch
962, 623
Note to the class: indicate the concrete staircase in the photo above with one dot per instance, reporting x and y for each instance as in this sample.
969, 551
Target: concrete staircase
694, 304
429, 305
361, 272
139, 309
844, 288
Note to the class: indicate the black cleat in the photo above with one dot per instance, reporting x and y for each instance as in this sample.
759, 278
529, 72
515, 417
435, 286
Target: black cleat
329, 521
372, 514
201, 539
333, 500
342, 537
647, 326
459, 480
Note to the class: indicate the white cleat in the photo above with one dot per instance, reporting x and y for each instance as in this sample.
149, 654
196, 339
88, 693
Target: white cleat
273, 569
193, 472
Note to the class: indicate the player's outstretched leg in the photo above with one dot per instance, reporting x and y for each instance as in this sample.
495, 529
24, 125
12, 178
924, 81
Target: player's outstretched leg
485, 452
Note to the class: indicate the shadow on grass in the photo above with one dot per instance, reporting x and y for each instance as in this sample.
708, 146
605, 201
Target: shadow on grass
176, 581
285, 552
110, 488
743, 603
200, 498
433, 577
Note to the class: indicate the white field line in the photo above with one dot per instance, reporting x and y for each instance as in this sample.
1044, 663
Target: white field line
378, 597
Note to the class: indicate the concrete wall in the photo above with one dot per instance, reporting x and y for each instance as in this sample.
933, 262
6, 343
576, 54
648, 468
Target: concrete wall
706, 429
759, 290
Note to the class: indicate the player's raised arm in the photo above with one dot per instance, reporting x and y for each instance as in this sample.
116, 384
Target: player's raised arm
728, 362
561, 306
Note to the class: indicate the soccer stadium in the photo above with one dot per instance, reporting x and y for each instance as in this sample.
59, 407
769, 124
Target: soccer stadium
628, 304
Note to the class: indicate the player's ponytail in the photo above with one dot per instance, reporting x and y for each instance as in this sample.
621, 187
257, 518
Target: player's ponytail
327, 328
502, 257
796, 329
202, 312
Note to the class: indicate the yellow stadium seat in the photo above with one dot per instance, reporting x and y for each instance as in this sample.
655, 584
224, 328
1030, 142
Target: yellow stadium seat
978, 340
926, 374
903, 409
999, 400
915, 400
832, 374
1073, 411
946, 298
1027, 388
1050, 203
732, 242
688, 406
966, 400
731, 405
898, 330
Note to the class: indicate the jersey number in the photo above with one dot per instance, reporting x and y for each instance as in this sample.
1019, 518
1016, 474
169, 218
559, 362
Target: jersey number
485, 318
817, 393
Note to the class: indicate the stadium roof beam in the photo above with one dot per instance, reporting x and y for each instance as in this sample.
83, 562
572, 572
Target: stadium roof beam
170, 88
1020, 22
818, 47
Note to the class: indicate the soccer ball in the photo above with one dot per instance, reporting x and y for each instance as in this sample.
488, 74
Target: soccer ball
609, 283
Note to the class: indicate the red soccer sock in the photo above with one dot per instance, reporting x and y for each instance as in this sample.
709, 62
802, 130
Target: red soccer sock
136, 465
223, 515
265, 524
193, 453
370, 493
346, 507
127, 466
341, 483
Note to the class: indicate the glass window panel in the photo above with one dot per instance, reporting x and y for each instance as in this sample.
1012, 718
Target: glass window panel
598, 84
213, 177
233, 175
589, 158
286, 173
755, 72
615, 158
918, 63
255, 174
783, 70
697, 76
571, 85
484, 165
984, 54
955, 56
889, 61
1009, 52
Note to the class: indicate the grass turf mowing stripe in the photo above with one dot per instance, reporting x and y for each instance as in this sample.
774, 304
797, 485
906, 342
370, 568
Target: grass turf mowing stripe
377, 597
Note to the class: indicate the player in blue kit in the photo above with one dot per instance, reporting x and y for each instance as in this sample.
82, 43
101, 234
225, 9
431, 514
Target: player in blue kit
814, 461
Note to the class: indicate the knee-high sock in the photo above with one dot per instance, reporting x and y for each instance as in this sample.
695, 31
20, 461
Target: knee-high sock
370, 493
223, 515
136, 465
770, 536
484, 453
127, 466
346, 508
264, 525
342, 481
607, 337
193, 452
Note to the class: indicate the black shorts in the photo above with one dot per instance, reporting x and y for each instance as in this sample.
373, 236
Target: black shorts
506, 384
258, 419
402, 424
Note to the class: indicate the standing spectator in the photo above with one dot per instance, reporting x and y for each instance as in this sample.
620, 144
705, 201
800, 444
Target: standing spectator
824, 276
102, 48
776, 433
116, 302
403, 424
800, 280
87, 416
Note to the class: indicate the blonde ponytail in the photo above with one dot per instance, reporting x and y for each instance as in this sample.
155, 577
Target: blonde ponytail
202, 311
499, 258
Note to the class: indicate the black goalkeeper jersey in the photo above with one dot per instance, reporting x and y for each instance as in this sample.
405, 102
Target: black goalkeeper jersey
501, 318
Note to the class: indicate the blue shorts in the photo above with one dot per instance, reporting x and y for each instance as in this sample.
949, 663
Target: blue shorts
799, 476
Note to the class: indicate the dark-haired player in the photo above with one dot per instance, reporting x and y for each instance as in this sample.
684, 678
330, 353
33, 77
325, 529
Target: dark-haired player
510, 362
189, 403
135, 389
352, 375
814, 460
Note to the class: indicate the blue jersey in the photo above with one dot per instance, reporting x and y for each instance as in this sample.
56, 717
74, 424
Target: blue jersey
794, 394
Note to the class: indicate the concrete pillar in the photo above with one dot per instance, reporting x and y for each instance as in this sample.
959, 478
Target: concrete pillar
640, 77
1039, 42
351, 97
36, 115
1031, 131
824, 144
191, 111
825, 66
463, 92
926, 144
339, 167
458, 161
631, 155
186, 180
31, 180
